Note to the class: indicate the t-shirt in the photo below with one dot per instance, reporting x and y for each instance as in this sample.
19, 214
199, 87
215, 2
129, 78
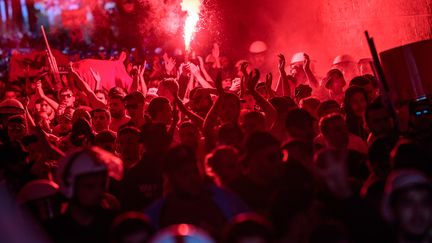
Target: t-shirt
141, 184
65, 229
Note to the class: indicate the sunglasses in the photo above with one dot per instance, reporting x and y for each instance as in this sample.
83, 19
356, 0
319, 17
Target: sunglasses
64, 96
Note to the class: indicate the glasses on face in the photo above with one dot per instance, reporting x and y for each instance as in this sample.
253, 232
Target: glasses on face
65, 96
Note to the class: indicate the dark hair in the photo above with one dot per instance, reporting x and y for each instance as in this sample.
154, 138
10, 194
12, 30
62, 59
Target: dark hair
178, 157
359, 81
116, 92
326, 120
354, 124
327, 105
298, 118
65, 89
105, 136
128, 130
105, 111
156, 105
154, 136
136, 96
260, 140
283, 104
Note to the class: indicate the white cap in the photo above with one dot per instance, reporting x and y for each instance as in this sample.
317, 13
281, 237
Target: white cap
37, 189
343, 59
87, 161
257, 47
298, 57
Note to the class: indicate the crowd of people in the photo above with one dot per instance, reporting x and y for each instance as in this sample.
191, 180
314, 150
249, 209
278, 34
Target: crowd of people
201, 150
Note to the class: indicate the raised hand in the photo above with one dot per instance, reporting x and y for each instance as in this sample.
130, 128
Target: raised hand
194, 69
269, 81
243, 68
95, 75
254, 77
282, 62
215, 50
306, 63
170, 63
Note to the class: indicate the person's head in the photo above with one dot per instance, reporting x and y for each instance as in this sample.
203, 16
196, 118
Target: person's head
248, 227
224, 164
379, 119
155, 138
230, 134
82, 133
355, 102
42, 106
167, 88
248, 102
299, 151
40, 198
347, 64
310, 104
11, 92
129, 145
101, 119
302, 91
189, 134
106, 140
132, 227
283, 105
134, 104
16, 127
115, 102
335, 131
102, 95
252, 121
296, 67
83, 176
328, 107
300, 124
366, 84
81, 113
159, 110
407, 204
67, 97
230, 108
263, 158
181, 170
335, 81
200, 100
365, 66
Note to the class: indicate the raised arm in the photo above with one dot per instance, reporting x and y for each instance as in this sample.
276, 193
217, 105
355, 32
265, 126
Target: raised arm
197, 74
310, 76
82, 85
269, 110
196, 119
40, 94
283, 85
203, 69
210, 121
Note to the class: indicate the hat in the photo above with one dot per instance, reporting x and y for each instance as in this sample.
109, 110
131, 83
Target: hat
398, 181
327, 80
298, 57
11, 106
257, 47
343, 59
